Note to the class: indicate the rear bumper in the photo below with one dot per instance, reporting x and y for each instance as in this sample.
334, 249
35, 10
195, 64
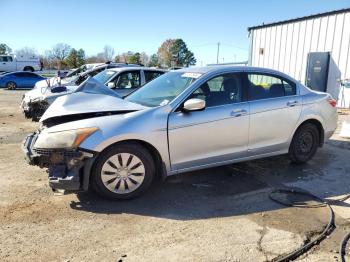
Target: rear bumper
66, 168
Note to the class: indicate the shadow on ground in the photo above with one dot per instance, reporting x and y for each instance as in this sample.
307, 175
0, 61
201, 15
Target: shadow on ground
233, 190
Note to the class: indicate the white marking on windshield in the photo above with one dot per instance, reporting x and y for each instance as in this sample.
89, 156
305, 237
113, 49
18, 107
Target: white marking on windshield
164, 102
191, 75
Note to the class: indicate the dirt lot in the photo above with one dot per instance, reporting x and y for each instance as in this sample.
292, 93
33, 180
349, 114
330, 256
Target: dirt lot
220, 214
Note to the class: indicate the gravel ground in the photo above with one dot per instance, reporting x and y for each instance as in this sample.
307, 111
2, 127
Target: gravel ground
219, 214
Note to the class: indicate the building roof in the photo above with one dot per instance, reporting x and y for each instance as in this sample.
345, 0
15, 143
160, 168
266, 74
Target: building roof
334, 12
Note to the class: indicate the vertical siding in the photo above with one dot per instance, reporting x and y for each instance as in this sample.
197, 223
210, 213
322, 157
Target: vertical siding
321, 45
344, 47
301, 51
286, 46
337, 40
293, 61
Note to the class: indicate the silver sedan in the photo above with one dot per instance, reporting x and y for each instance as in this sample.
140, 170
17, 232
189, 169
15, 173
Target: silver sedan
185, 120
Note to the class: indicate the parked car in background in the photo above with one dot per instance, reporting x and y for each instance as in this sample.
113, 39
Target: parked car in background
70, 76
10, 63
122, 79
21, 79
184, 120
125, 80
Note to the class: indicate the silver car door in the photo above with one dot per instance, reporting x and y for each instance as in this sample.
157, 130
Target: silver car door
275, 109
215, 135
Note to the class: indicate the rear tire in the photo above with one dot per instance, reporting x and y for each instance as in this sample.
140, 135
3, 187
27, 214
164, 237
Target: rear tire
11, 85
304, 143
123, 171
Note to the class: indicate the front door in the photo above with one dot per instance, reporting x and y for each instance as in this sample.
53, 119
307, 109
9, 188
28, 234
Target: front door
275, 108
215, 135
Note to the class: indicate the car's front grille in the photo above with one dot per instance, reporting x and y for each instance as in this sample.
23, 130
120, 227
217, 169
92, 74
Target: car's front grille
49, 152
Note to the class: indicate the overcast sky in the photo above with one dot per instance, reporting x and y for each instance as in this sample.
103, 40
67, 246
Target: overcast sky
142, 25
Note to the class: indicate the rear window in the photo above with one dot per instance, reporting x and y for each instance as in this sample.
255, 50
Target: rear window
262, 86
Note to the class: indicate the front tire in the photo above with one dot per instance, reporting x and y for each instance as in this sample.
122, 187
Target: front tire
11, 85
304, 144
123, 171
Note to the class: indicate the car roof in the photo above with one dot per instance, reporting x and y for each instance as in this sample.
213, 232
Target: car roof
218, 69
119, 69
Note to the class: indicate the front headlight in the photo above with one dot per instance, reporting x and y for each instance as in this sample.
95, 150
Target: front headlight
64, 139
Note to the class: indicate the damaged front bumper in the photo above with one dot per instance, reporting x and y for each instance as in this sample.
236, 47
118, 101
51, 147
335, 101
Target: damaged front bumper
68, 169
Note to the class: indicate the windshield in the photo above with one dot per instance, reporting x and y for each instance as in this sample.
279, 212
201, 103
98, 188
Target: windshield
77, 71
163, 89
105, 75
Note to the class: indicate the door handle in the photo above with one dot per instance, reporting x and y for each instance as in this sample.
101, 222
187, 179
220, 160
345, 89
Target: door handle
292, 103
238, 113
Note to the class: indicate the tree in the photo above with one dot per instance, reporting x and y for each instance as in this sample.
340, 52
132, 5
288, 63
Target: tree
81, 60
72, 59
108, 53
144, 58
164, 54
26, 51
134, 58
131, 58
60, 51
118, 59
181, 54
153, 61
5, 49
174, 52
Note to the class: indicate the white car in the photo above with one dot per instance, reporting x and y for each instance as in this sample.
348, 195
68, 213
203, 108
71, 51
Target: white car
123, 79
10, 63
53, 81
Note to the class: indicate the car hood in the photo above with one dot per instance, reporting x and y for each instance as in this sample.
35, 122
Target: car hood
42, 93
90, 98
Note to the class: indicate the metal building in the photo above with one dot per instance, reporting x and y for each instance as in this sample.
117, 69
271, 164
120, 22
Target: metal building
313, 49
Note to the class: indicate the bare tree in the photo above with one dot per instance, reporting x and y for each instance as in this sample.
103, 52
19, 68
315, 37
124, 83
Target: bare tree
108, 53
60, 51
26, 51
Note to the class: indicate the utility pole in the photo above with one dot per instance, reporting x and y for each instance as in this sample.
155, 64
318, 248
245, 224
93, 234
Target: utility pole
217, 54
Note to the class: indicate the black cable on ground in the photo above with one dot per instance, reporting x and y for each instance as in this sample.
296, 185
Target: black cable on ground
342, 250
328, 229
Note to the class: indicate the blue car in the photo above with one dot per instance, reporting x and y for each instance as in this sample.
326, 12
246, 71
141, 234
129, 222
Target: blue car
16, 80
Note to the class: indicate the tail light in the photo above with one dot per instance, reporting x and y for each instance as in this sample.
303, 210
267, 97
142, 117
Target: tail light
332, 102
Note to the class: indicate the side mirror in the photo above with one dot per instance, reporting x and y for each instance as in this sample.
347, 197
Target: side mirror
194, 104
111, 84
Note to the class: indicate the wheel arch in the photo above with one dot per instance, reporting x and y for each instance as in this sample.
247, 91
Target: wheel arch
319, 126
29, 67
161, 172
11, 81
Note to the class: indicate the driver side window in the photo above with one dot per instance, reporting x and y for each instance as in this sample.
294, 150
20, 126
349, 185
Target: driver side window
128, 80
220, 90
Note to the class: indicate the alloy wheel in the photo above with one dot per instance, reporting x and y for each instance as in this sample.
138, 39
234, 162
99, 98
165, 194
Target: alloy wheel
11, 86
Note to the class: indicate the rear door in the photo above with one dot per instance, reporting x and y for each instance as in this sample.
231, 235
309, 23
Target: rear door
275, 108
